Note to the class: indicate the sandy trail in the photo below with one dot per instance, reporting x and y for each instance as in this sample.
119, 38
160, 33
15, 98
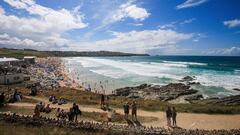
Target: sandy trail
184, 120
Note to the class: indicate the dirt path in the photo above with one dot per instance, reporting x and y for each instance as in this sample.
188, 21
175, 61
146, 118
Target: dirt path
184, 120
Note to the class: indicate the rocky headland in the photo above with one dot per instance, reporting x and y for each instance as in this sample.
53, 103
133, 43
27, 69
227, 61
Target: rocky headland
164, 93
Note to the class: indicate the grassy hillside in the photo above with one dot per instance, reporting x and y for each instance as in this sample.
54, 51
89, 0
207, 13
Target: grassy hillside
20, 53
16, 53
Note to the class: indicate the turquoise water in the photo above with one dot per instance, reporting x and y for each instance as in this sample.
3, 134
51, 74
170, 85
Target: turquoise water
218, 75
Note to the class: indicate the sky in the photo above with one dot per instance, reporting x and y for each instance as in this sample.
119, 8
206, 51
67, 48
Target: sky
156, 27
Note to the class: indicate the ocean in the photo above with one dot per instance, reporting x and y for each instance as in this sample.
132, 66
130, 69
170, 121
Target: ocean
218, 75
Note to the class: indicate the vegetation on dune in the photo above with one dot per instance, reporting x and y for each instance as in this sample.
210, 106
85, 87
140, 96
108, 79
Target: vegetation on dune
17, 53
89, 98
20, 129
20, 53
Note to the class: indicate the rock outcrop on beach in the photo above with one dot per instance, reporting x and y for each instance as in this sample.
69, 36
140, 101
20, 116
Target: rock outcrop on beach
237, 89
164, 93
230, 100
194, 97
189, 80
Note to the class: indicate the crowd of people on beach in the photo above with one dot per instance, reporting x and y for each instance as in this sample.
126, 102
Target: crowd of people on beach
47, 72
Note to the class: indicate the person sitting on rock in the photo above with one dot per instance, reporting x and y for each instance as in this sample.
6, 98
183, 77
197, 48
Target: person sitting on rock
36, 111
62, 101
17, 95
50, 99
40, 106
58, 113
54, 100
47, 109
33, 90
63, 114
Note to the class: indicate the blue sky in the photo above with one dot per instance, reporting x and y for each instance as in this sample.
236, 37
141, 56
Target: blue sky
165, 27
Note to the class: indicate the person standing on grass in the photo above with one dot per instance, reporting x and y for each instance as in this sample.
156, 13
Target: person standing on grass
102, 101
2, 99
174, 115
169, 116
134, 110
126, 110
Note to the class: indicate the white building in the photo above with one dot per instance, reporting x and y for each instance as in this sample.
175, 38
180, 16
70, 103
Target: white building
29, 59
10, 71
11, 78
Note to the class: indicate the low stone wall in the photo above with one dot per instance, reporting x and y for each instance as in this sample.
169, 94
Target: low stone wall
110, 128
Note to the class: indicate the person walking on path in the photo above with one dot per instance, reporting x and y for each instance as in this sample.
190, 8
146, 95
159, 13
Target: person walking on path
76, 111
126, 110
134, 110
174, 115
169, 116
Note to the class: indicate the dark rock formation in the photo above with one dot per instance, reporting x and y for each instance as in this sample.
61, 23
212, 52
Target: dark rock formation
230, 100
164, 93
187, 79
194, 97
237, 89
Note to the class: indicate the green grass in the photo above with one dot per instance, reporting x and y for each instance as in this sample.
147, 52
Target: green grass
92, 116
89, 98
20, 53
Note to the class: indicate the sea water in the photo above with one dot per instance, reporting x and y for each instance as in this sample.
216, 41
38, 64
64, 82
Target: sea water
218, 76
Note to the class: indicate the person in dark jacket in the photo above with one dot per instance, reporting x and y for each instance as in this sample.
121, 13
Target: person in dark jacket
174, 115
169, 116
134, 110
76, 111
2, 99
126, 110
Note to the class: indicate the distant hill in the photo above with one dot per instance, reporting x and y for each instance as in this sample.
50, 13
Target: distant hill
20, 53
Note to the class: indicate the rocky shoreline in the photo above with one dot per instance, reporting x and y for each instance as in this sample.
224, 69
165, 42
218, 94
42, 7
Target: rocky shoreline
163, 93
174, 90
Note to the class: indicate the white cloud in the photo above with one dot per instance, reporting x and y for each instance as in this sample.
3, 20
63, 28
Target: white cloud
6, 40
187, 21
168, 26
232, 23
126, 10
191, 3
42, 24
136, 24
136, 41
233, 51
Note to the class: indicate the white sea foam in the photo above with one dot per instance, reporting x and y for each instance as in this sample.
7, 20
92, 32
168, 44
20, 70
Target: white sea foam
138, 68
147, 71
226, 81
185, 63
